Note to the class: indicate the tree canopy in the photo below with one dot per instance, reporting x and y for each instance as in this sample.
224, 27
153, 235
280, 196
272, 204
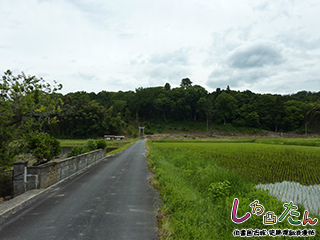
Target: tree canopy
26, 103
88, 114
185, 83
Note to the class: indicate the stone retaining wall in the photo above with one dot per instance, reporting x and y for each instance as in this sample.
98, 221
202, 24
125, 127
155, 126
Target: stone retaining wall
36, 177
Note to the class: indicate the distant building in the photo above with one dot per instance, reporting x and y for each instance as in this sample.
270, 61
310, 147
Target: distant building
119, 137
109, 137
113, 137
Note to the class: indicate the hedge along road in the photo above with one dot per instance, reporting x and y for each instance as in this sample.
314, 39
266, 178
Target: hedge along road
111, 200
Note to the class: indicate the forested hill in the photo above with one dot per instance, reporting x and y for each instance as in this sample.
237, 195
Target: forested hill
89, 114
32, 113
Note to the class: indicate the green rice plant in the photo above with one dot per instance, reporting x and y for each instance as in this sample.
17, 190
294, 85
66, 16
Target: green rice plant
71, 142
261, 162
186, 171
291, 141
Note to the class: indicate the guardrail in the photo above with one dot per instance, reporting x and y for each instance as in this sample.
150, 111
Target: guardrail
36, 177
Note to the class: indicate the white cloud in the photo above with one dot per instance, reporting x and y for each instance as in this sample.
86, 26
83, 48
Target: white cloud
120, 45
179, 57
256, 54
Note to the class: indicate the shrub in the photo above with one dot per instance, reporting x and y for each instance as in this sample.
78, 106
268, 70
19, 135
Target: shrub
43, 147
148, 131
85, 150
88, 147
91, 145
220, 189
75, 151
101, 143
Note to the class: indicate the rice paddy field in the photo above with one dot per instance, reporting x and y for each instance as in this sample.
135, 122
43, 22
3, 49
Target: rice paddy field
199, 180
80, 142
113, 146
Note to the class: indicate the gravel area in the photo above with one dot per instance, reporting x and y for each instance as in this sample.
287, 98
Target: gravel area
308, 196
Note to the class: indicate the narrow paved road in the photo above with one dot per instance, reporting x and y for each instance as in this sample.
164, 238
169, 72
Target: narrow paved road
112, 200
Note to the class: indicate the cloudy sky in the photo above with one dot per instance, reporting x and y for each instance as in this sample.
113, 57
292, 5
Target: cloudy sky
264, 46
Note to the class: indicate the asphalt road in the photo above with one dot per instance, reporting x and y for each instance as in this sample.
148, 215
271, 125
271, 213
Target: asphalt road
111, 200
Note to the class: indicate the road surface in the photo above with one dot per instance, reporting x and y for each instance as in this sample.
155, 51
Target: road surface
111, 200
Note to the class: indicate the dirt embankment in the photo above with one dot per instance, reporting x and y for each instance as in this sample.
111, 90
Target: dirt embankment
194, 134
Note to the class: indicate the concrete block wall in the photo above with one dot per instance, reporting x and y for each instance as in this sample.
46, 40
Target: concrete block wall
45, 175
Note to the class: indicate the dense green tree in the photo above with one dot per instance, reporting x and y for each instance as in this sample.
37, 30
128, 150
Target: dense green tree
77, 98
206, 105
294, 114
264, 105
193, 94
228, 90
163, 104
303, 96
26, 103
215, 94
42, 146
83, 120
185, 83
242, 98
242, 118
104, 98
312, 117
127, 115
129, 97
145, 102
167, 87
179, 109
278, 113
119, 106
252, 119
112, 122
226, 107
